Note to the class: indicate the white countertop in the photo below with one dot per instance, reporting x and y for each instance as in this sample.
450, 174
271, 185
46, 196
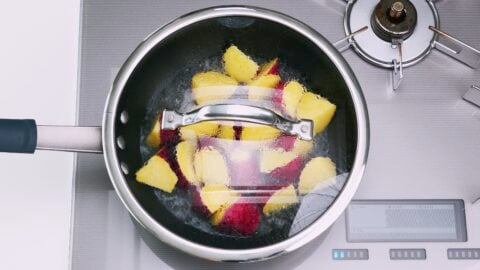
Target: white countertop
38, 78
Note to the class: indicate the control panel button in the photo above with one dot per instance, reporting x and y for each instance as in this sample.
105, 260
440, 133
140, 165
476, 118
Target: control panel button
349, 254
463, 253
408, 254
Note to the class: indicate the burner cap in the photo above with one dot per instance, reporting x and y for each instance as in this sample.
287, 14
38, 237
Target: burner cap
387, 20
394, 19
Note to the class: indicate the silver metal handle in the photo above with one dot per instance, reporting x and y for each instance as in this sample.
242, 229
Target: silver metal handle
245, 113
70, 139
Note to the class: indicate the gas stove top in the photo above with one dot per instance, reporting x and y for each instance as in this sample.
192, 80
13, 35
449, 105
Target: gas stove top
421, 188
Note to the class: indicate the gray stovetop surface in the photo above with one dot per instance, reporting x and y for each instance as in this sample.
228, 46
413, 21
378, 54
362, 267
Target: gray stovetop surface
422, 132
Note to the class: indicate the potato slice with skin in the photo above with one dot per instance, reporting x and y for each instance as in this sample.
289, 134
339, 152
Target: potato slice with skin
280, 200
317, 109
213, 94
318, 171
267, 81
270, 159
211, 167
212, 86
215, 196
294, 144
218, 216
211, 78
257, 132
292, 93
282, 165
241, 217
227, 130
157, 137
302, 147
157, 173
239, 65
288, 173
153, 138
199, 130
184, 158
262, 87
277, 95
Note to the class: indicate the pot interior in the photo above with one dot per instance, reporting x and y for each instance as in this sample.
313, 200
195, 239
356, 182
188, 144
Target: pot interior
162, 80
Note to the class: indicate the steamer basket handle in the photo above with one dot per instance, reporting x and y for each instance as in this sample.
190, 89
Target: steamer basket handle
231, 112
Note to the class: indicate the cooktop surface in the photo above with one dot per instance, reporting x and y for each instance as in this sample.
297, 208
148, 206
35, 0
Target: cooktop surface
421, 188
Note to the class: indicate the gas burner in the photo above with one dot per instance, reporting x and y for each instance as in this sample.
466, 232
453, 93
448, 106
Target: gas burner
399, 33
387, 26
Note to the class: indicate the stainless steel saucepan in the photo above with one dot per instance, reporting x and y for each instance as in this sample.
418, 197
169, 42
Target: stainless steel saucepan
156, 79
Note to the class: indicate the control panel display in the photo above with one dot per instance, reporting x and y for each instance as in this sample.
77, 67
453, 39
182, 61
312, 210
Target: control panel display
406, 221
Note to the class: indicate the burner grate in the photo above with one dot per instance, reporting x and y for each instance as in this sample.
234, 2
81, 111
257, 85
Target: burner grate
399, 34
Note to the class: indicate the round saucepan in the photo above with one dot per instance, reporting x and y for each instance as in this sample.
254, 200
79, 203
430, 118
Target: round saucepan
156, 79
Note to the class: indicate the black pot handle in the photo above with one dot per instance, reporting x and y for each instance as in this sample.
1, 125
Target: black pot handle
18, 136
24, 136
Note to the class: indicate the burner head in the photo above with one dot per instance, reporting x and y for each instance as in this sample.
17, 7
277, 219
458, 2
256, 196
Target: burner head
394, 19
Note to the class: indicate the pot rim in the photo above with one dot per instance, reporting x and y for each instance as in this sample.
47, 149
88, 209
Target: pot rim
241, 255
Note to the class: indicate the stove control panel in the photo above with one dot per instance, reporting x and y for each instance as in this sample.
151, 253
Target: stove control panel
387, 232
